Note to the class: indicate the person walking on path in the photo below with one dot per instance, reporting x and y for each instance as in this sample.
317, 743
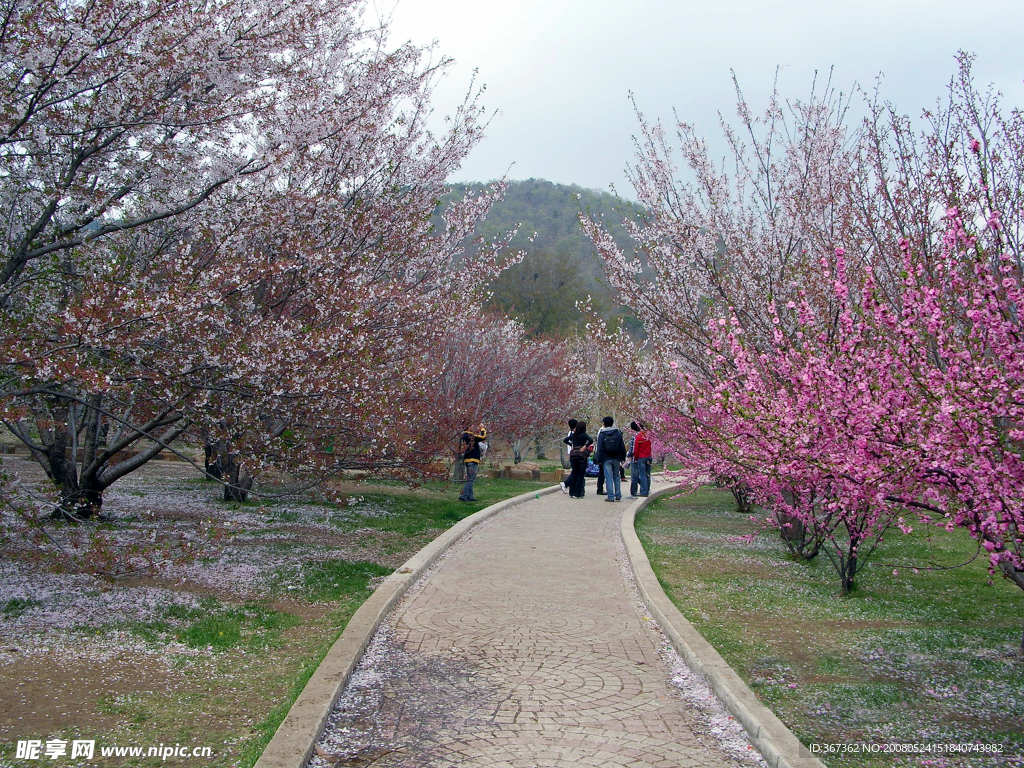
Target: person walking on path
611, 450
640, 455
471, 457
566, 484
579, 442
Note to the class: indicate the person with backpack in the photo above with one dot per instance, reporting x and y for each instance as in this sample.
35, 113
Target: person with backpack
599, 473
611, 451
640, 455
471, 456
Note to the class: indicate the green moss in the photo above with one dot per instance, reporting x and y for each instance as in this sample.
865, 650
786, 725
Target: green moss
338, 579
16, 606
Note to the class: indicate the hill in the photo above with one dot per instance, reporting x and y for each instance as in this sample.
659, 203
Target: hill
560, 267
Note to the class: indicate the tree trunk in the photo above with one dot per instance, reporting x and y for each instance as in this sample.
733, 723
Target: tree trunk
847, 575
1017, 577
62, 468
792, 530
742, 497
81, 470
803, 542
95, 434
237, 489
210, 462
80, 498
848, 568
236, 485
64, 475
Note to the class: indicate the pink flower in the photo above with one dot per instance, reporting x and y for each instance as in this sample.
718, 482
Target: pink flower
975, 146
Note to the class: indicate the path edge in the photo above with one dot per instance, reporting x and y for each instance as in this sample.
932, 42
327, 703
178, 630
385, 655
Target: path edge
292, 744
769, 735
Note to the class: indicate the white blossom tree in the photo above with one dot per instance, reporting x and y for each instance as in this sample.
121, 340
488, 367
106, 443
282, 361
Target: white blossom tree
216, 220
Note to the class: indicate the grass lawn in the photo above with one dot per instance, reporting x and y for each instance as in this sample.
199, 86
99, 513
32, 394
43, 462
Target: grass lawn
208, 652
909, 657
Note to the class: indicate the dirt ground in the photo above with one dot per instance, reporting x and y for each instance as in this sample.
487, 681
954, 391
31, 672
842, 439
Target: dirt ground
195, 634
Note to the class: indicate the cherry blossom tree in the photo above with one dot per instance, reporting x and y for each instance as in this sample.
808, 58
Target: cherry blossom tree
487, 370
217, 224
717, 240
719, 244
874, 377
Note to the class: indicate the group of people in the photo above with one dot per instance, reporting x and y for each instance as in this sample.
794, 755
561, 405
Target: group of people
609, 452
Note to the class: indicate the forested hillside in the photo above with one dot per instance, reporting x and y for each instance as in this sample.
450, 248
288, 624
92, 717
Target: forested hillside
561, 266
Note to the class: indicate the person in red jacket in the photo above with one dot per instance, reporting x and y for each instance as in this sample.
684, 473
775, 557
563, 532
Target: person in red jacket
639, 456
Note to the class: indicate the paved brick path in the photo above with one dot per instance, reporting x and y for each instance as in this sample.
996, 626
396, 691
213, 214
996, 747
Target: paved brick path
524, 648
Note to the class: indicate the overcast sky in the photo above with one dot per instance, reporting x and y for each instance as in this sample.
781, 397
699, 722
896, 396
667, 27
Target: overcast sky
559, 72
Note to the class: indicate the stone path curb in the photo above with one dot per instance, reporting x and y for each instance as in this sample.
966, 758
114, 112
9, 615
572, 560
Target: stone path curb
292, 743
769, 735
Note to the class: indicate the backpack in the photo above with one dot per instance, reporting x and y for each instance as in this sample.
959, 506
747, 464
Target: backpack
612, 445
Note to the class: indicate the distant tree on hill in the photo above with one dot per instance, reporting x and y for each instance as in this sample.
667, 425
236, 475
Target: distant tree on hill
545, 217
542, 292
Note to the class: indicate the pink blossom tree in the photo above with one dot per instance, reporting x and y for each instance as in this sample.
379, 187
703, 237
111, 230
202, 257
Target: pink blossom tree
487, 370
875, 371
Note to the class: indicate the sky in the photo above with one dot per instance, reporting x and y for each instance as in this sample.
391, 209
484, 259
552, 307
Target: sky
559, 73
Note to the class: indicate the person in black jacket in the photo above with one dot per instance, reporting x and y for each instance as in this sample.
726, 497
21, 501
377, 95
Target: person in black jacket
567, 482
579, 441
611, 450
